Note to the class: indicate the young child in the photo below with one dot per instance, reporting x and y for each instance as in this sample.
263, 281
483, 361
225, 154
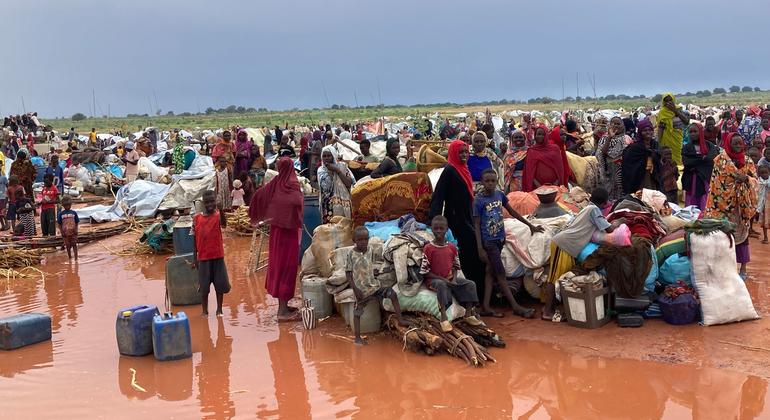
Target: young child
209, 253
490, 239
68, 226
753, 153
237, 194
15, 191
669, 175
48, 199
25, 211
765, 161
763, 204
360, 273
3, 200
440, 263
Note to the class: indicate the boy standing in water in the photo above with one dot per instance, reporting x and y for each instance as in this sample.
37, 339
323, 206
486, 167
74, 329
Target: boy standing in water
440, 263
209, 252
68, 226
359, 271
490, 236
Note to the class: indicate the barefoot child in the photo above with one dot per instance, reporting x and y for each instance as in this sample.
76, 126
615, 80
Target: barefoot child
209, 253
237, 194
490, 237
68, 226
763, 203
360, 273
440, 263
669, 175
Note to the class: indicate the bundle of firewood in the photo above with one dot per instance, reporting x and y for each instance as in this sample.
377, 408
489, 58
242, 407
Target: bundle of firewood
465, 341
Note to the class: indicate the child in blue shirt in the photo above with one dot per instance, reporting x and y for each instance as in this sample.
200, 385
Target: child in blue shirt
490, 239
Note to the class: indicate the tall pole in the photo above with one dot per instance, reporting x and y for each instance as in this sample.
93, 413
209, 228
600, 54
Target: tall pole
577, 84
23, 107
157, 105
93, 96
562, 88
355, 97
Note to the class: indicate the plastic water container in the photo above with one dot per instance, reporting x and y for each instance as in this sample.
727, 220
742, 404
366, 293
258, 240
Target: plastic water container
311, 219
322, 302
171, 337
371, 319
183, 242
24, 329
182, 280
133, 329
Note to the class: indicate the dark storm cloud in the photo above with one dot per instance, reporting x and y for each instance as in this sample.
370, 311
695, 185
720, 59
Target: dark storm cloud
279, 54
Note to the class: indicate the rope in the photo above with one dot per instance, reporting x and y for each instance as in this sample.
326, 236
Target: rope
459, 339
407, 333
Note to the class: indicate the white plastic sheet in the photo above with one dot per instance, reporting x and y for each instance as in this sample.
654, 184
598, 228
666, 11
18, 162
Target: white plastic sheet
139, 198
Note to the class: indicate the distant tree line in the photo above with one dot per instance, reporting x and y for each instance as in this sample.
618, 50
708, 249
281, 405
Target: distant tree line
233, 109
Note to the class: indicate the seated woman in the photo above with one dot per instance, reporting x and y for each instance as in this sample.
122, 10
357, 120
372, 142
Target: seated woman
334, 183
389, 165
543, 165
641, 165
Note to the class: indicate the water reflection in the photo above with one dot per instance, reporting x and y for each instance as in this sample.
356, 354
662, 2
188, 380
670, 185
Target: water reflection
213, 371
36, 356
64, 295
291, 392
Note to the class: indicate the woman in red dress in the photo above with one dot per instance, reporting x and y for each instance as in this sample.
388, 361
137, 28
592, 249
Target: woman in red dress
280, 204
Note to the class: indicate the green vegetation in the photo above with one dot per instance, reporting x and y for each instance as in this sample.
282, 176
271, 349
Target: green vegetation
250, 117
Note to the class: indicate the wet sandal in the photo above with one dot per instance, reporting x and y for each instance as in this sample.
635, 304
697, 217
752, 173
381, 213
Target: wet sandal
492, 314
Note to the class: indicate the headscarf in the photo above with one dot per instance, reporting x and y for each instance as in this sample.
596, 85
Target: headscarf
701, 138
453, 159
738, 157
641, 125
324, 177
545, 153
671, 137
280, 201
554, 137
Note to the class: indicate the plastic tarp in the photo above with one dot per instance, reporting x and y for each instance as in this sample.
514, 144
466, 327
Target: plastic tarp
139, 198
185, 192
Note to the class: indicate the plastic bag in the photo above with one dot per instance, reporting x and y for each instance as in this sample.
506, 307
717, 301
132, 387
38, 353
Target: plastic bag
424, 301
621, 236
723, 294
681, 310
676, 267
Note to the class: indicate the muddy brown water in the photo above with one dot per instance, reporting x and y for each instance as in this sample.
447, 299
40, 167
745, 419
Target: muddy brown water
245, 365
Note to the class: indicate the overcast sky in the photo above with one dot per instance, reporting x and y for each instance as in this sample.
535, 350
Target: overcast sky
280, 54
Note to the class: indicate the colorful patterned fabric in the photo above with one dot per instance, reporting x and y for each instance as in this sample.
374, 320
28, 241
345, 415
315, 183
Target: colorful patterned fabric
728, 198
389, 198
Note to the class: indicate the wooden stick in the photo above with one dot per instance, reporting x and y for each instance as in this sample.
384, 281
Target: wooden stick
745, 346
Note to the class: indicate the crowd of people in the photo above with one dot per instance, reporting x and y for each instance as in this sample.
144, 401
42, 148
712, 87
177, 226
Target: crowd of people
718, 163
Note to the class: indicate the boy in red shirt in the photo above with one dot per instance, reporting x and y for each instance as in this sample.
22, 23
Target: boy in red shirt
439, 267
49, 198
209, 253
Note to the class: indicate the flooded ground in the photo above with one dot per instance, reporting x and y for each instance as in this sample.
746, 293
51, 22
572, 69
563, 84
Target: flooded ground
245, 365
